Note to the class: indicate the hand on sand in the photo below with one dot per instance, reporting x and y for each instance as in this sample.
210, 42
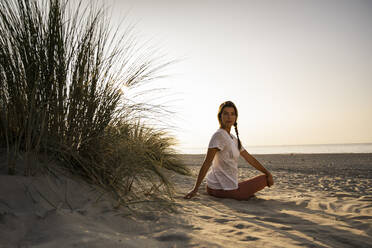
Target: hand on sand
270, 180
192, 193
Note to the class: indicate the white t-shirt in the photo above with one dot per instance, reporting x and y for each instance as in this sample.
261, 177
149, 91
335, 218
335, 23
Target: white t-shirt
223, 173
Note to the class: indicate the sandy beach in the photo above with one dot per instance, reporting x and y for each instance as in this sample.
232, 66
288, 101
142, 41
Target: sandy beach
318, 200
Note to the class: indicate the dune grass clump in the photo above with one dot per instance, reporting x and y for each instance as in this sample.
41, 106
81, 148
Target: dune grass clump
62, 72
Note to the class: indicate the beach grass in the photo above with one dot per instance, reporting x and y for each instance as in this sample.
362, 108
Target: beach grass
63, 76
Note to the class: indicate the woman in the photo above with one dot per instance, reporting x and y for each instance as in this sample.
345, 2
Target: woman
223, 154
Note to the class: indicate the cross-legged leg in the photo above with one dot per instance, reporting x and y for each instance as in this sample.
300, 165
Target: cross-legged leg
248, 187
245, 191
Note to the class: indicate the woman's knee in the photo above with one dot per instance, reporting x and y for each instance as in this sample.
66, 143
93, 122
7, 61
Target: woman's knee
258, 180
263, 180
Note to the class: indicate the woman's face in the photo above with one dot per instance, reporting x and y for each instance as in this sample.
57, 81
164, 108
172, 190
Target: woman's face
228, 117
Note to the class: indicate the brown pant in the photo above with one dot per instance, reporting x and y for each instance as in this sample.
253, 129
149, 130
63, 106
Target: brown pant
245, 190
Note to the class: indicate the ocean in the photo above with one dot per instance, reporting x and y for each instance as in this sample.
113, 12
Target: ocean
303, 149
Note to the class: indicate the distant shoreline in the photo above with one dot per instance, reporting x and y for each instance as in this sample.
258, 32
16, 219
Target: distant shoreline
295, 149
290, 153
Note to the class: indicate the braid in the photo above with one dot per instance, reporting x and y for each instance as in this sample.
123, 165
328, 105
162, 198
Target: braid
237, 135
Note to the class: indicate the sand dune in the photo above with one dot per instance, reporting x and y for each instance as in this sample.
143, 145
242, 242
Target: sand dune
317, 201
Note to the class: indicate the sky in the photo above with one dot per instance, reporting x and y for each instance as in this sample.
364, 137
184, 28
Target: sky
299, 72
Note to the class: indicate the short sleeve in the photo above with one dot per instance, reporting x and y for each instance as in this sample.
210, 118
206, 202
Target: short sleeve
217, 141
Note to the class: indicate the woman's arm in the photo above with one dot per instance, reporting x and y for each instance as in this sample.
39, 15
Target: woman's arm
252, 161
203, 171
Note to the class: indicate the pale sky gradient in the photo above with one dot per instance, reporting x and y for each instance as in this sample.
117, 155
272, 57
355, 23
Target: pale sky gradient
300, 72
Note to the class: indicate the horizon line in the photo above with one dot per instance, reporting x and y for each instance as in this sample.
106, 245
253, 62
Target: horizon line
356, 143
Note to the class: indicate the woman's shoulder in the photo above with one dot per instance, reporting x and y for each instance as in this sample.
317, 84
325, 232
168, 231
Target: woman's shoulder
218, 133
218, 140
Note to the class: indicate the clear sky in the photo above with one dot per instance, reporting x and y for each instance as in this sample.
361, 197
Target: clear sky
300, 72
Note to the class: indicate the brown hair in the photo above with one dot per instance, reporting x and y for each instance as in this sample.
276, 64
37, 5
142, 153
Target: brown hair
220, 110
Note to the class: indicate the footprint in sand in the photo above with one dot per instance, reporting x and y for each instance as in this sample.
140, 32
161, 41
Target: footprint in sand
363, 217
270, 219
249, 238
333, 206
206, 217
239, 226
322, 206
365, 198
285, 228
172, 237
221, 221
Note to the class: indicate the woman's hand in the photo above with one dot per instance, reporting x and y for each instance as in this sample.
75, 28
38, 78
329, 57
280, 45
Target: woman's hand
191, 194
270, 180
203, 171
